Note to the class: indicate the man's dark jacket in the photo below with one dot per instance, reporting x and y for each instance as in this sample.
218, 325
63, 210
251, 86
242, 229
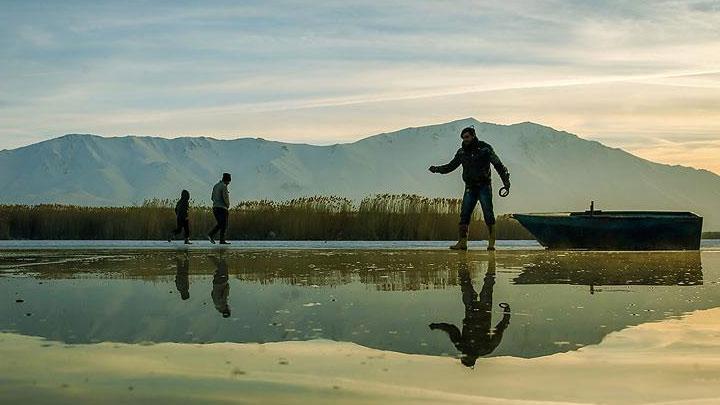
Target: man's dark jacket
475, 160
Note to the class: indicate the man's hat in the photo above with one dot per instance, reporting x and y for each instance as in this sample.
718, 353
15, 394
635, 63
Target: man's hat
226, 177
470, 129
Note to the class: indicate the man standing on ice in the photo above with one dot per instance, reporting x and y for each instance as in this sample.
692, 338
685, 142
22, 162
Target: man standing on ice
476, 157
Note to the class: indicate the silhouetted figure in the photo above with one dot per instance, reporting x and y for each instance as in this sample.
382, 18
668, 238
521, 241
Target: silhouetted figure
221, 206
183, 220
221, 286
477, 337
476, 157
182, 279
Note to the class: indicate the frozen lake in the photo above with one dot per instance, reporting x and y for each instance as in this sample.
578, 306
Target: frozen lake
269, 244
353, 321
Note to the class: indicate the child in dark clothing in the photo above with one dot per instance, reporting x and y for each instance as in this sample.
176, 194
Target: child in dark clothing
183, 222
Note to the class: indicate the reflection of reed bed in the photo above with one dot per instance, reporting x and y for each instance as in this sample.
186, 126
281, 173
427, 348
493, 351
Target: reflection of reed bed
386, 280
383, 271
382, 217
386, 271
592, 268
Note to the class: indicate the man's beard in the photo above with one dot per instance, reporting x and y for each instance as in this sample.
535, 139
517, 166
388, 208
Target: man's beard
466, 144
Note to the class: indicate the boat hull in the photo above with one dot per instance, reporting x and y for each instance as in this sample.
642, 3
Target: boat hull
615, 231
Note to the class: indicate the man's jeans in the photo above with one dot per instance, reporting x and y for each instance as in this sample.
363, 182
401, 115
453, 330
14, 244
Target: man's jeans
221, 216
473, 194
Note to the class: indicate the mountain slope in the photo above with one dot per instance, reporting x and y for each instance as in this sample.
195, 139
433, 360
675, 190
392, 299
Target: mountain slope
550, 170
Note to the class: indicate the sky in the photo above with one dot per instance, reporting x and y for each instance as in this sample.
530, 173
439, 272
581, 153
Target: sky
640, 75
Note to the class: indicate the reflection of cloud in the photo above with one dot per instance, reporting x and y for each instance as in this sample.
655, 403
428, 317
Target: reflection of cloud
673, 360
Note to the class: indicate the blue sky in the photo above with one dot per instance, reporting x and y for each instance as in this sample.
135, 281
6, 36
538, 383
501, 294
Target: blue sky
641, 75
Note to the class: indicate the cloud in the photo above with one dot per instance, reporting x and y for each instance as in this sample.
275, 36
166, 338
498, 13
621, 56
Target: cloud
254, 67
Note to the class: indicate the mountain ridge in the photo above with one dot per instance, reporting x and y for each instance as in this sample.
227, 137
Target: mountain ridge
550, 170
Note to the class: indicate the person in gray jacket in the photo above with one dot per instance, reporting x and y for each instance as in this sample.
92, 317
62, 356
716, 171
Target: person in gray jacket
221, 205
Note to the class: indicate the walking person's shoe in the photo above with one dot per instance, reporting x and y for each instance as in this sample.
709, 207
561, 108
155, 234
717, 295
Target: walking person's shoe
210, 238
224, 242
170, 238
462, 238
460, 245
491, 237
187, 241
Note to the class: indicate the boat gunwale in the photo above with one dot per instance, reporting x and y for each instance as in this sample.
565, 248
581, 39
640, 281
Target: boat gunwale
612, 214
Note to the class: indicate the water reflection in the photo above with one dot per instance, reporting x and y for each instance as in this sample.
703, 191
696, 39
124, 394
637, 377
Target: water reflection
182, 275
220, 286
477, 337
594, 269
378, 299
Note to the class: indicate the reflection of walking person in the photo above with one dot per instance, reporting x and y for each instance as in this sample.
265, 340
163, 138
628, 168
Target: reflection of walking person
183, 220
221, 205
221, 286
475, 157
182, 279
477, 337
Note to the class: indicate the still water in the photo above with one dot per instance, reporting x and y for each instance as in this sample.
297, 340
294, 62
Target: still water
463, 307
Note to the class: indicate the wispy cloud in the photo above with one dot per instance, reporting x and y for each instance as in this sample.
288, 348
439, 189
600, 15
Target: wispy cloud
329, 71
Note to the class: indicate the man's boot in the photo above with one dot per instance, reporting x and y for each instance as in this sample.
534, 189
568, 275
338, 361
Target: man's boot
491, 237
462, 238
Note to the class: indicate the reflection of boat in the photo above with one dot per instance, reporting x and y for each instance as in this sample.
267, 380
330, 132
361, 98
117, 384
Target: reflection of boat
586, 268
615, 230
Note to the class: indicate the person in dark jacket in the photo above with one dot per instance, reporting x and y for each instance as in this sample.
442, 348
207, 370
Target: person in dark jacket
221, 206
477, 337
183, 221
476, 157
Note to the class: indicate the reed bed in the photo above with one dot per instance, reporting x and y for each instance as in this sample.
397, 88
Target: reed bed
380, 217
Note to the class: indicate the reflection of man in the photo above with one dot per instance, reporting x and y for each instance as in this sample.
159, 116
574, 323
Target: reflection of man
182, 280
221, 286
477, 337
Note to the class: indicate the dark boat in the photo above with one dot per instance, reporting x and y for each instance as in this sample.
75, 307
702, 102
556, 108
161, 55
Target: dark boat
615, 230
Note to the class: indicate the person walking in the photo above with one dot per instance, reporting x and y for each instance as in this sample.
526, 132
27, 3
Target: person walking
183, 220
221, 206
476, 157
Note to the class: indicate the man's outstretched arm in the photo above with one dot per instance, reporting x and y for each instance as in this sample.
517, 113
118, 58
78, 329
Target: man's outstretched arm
500, 327
447, 168
500, 168
452, 330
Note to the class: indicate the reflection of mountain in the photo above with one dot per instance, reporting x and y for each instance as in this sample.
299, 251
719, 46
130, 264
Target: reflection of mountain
590, 268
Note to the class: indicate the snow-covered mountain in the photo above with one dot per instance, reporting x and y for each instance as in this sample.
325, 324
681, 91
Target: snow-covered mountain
550, 170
